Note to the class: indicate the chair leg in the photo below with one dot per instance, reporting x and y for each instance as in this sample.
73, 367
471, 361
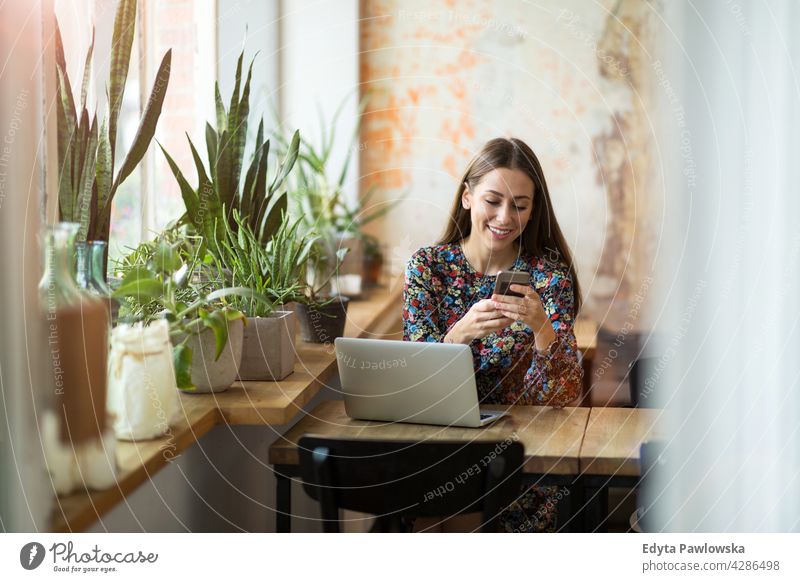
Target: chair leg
491, 508
327, 497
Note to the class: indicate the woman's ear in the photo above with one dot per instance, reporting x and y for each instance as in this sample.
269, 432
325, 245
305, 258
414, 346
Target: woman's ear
465, 197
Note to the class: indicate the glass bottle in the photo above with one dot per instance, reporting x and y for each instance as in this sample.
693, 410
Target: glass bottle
77, 334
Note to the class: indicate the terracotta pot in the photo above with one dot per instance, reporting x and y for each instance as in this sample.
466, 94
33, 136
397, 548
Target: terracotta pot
323, 324
268, 352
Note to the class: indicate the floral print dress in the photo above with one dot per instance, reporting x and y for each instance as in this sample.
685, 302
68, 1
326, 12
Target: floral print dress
440, 287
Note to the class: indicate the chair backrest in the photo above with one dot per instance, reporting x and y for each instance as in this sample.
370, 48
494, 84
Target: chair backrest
641, 390
654, 468
402, 479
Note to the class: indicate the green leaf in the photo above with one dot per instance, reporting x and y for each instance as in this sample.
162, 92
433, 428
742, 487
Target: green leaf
84, 202
222, 123
67, 141
182, 362
121, 44
87, 72
147, 125
255, 179
141, 289
272, 216
288, 162
212, 143
218, 324
201, 170
104, 171
190, 199
165, 259
240, 135
233, 115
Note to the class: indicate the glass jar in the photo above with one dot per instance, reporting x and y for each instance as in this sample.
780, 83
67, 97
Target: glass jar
91, 260
77, 333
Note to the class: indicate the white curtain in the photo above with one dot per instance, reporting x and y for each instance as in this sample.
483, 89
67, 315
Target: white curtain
731, 344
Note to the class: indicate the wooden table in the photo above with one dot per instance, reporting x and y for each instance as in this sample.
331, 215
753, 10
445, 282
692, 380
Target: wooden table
586, 449
552, 440
609, 455
245, 403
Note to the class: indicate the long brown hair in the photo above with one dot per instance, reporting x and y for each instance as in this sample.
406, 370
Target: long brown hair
542, 237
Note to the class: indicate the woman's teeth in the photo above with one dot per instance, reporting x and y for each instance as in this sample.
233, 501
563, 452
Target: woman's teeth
499, 232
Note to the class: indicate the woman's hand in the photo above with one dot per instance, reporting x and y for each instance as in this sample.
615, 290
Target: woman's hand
481, 320
529, 310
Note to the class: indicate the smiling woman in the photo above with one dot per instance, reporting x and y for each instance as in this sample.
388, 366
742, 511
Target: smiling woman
524, 348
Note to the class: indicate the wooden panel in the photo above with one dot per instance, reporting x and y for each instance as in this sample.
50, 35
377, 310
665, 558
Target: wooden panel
551, 437
613, 437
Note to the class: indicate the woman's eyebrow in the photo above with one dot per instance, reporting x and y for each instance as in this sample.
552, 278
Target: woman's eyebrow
515, 197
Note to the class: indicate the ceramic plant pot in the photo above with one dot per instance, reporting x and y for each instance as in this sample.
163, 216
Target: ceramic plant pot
323, 324
268, 351
209, 375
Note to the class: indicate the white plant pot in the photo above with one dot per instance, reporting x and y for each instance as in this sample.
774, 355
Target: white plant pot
268, 351
209, 375
142, 393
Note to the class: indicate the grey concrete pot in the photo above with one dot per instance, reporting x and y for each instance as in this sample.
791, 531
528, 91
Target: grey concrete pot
268, 352
209, 375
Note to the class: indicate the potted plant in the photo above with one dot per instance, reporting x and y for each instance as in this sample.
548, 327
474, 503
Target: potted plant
274, 271
157, 282
319, 198
322, 316
225, 184
87, 152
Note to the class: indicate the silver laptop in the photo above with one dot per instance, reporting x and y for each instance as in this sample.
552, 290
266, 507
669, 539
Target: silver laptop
420, 382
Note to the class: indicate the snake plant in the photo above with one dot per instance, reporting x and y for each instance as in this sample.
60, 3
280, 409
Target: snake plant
224, 189
86, 150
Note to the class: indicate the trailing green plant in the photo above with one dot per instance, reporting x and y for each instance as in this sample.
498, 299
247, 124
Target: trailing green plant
224, 187
86, 152
275, 270
158, 282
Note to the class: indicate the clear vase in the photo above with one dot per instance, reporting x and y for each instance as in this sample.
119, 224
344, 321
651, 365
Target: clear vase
77, 331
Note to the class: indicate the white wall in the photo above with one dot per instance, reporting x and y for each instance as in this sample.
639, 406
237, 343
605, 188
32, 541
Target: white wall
319, 68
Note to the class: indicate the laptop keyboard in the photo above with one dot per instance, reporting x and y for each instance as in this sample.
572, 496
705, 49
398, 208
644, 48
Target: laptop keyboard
484, 416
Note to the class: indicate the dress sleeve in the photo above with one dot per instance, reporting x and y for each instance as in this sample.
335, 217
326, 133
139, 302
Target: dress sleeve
555, 376
420, 302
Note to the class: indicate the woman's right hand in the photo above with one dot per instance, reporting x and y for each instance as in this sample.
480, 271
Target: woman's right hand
481, 320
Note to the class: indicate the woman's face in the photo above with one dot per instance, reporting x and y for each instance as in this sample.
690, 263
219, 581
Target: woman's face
500, 206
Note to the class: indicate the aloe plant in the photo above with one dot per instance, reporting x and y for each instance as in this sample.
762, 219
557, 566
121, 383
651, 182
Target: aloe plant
276, 270
86, 152
224, 189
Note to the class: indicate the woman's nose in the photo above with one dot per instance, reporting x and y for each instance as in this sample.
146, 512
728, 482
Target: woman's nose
504, 214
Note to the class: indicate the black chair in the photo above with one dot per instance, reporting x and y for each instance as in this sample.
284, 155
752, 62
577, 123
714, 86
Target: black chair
399, 480
654, 468
641, 392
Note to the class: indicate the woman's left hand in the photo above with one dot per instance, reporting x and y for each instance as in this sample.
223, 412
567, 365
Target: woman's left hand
529, 310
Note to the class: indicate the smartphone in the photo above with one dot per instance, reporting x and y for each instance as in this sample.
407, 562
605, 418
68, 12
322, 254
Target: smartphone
505, 279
